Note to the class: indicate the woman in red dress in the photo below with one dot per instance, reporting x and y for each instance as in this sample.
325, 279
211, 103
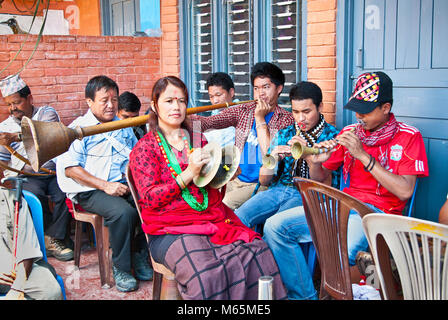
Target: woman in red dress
190, 230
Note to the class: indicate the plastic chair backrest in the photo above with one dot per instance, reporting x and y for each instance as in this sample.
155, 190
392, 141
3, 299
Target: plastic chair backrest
327, 210
36, 212
38, 220
419, 249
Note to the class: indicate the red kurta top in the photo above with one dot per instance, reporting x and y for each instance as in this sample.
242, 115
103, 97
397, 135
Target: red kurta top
164, 211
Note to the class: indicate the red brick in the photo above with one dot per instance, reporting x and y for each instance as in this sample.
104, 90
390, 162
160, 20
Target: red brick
321, 74
72, 79
32, 73
321, 39
90, 71
127, 47
46, 81
60, 72
59, 38
321, 16
323, 27
92, 55
61, 55
321, 62
74, 96
321, 5
321, 51
99, 46
62, 46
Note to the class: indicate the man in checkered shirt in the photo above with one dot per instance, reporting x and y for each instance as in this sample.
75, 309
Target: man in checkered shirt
255, 124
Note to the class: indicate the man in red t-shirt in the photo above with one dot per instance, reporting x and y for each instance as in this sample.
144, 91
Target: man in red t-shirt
382, 157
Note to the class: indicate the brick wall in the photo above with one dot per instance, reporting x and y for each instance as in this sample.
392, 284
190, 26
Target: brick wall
321, 51
169, 21
62, 66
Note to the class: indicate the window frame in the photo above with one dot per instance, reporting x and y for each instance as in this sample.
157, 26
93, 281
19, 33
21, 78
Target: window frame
262, 45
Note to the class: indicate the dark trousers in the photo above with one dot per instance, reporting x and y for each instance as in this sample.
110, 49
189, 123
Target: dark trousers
56, 223
121, 218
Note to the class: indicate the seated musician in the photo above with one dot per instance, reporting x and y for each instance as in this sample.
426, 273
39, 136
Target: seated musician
255, 124
271, 206
92, 173
32, 278
129, 107
212, 254
221, 89
17, 95
309, 128
383, 158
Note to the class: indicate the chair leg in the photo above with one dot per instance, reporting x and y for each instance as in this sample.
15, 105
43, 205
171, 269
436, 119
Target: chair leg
169, 289
107, 251
156, 285
102, 256
77, 249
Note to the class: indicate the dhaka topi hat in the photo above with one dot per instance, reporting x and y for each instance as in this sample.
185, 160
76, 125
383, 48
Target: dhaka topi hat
11, 85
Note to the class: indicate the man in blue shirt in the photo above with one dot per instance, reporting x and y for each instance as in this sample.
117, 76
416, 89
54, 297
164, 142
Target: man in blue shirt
270, 206
92, 173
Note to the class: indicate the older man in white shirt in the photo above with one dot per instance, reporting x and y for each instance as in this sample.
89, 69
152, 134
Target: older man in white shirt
92, 173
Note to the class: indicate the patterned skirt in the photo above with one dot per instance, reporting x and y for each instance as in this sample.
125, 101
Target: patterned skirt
207, 271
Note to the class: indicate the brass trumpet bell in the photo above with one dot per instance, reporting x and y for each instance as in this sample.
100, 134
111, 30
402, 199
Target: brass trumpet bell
45, 140
221, 168
297, 152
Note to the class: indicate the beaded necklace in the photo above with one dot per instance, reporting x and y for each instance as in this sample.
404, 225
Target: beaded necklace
300, 166
175, 170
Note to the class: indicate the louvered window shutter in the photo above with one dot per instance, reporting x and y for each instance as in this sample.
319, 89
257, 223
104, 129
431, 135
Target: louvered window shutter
285, 48
221, 37
202, 49
240, 45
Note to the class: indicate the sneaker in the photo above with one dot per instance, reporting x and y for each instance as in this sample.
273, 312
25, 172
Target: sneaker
57, 248
142, 269
124, 281
363, 261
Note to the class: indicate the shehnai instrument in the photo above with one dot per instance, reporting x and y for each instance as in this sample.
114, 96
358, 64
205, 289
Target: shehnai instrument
44, 141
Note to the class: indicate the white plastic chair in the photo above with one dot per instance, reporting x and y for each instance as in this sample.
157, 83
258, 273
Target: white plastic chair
419, 249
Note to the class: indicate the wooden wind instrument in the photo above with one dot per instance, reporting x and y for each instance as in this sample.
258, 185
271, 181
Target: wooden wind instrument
44, 141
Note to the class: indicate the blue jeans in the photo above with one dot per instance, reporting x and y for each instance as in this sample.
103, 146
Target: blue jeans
267, 203
284, 232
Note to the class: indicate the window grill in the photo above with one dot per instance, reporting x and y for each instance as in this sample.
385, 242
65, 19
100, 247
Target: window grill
227, 42
285, 48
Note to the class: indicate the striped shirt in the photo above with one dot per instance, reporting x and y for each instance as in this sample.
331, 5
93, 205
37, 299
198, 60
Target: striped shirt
242, 118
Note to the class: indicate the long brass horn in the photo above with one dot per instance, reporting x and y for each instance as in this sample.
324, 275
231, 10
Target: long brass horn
297, 151
45, 140
221, 168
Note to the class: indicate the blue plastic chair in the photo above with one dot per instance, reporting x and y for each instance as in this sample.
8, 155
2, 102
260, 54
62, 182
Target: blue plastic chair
36, 212
409, 204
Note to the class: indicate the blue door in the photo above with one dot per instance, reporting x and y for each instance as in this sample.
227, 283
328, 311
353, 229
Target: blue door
408, 39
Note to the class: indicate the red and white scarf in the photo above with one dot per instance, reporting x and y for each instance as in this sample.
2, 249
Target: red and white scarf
379, 138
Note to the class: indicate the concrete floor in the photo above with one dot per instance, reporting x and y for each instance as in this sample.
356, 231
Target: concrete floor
85, 284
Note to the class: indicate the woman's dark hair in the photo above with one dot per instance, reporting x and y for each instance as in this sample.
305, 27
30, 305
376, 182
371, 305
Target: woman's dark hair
269, 70
159, 87
306, 90
98, 83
